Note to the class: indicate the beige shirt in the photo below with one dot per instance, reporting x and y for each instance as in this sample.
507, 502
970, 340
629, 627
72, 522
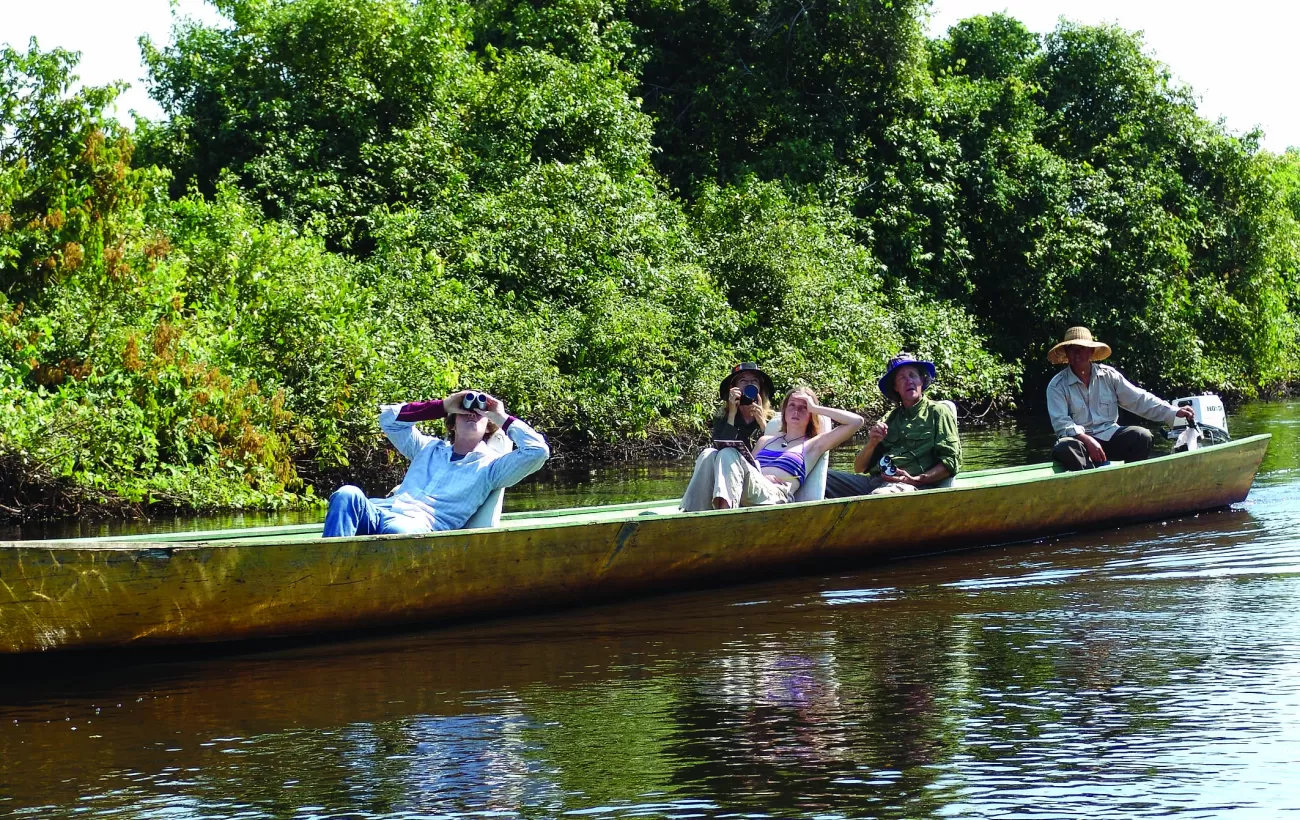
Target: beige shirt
1094, 410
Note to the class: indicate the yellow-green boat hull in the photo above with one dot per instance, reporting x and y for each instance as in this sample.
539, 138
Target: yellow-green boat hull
280, 582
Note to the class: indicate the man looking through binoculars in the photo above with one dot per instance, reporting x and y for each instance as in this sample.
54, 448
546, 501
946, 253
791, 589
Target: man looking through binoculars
447, 481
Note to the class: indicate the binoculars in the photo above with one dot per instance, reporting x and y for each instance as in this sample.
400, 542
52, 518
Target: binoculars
475, 401
749, 395
887, 466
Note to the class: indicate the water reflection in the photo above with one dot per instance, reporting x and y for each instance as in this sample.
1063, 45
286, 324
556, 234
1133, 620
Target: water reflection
1133, 672
1114, 670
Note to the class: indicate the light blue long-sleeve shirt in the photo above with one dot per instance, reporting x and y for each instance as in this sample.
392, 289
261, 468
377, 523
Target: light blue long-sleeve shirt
446, 493
1094, 409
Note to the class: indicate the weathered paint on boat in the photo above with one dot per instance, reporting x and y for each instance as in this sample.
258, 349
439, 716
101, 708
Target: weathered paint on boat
278, 582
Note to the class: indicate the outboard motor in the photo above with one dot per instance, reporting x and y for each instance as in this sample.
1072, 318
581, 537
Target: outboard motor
1211, 419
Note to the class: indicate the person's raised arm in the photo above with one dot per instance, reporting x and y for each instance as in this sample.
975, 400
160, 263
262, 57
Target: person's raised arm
867, 455
846, 424
398, 423
530, 453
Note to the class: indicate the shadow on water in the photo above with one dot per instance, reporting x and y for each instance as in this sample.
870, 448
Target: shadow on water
1134, 672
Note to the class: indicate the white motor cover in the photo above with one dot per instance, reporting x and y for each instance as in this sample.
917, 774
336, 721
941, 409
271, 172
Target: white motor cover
1209, 411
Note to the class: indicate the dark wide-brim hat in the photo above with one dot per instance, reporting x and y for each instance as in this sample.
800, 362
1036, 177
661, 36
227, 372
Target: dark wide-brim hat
1078, 337
763, 378
886, 383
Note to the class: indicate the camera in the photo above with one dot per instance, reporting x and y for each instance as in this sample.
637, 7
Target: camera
749, 395
474, 401
887, 466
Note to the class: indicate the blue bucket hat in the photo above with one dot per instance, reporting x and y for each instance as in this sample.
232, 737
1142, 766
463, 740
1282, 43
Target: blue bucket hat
886, 383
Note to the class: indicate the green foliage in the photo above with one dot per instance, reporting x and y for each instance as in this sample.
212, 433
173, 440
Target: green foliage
156, 350
319, 107
1284, 179
985, 47
537, 108
814, 305
593, 208
578, 30
330, 109
584, 307
779, 88
1099, 197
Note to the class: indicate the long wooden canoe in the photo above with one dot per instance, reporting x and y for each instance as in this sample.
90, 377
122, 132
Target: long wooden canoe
278, 582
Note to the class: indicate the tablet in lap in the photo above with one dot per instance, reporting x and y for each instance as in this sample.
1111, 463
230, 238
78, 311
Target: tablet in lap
736, 444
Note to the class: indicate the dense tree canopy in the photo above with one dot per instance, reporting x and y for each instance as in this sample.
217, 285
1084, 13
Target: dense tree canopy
593, 207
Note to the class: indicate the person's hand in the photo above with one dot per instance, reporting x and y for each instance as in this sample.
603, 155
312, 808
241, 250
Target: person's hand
878, 431
733, 399
1093, 447
455, 403
1187, 413
900, 477
496, 410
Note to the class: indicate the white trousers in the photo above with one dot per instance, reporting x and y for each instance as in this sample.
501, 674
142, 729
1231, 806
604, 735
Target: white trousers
727, 475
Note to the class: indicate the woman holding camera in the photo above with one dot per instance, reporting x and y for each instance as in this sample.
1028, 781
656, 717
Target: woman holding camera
727, 476
447, 480
746, 394
917, 441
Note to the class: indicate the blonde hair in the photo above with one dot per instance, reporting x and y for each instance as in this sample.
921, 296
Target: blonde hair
814, 427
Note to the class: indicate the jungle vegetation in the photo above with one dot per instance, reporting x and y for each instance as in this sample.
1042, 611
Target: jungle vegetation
593, 208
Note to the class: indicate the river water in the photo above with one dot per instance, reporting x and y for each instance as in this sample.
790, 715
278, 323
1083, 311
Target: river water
1147, 671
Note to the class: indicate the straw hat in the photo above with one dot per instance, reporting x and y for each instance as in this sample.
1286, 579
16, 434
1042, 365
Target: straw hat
1078, 337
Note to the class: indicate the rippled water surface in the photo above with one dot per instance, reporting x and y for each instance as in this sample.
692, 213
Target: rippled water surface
1147, 671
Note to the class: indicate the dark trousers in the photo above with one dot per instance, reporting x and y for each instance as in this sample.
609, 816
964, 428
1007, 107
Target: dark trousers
847, 485
1128, 444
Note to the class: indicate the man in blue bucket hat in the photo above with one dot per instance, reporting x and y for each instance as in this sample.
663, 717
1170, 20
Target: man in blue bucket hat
914, 448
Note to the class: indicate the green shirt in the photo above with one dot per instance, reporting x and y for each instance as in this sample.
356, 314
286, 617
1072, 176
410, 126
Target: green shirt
919, 438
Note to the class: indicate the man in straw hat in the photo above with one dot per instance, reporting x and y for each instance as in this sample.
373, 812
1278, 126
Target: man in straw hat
1084, 399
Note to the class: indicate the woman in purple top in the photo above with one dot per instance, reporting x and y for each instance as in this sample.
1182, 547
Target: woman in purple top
781, 462
447, 480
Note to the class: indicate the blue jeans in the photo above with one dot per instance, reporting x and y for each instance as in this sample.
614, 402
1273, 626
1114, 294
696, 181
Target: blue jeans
351, 513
